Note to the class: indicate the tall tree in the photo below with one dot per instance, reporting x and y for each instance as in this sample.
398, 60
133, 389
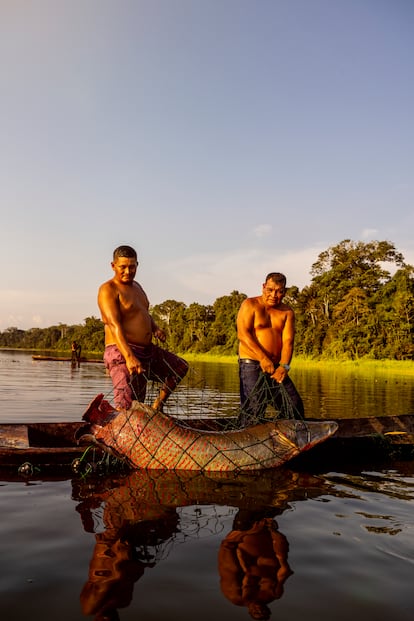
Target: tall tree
349, 266
353, 264
223, 329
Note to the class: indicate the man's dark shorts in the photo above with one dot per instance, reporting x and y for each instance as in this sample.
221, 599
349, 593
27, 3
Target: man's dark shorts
159, 365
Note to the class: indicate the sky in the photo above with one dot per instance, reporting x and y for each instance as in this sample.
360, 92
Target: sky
222, 139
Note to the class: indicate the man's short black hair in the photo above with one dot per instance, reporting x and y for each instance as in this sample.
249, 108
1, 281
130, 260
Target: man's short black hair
277, 278
125, 251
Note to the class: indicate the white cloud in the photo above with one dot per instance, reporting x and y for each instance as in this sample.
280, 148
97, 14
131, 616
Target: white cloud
369, 234
206, 276
263, 230
37, 321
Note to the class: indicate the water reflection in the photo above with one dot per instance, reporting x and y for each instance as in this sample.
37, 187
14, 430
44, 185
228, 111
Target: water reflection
357, 533
353, 393
253, 563
138, 518
397, 483
46, 390
50, 390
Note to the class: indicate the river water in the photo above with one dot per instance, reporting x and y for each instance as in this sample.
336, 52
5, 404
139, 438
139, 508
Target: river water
155, 546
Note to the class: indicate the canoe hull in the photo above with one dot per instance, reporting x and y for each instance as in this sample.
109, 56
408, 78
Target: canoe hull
53, 446
49, 445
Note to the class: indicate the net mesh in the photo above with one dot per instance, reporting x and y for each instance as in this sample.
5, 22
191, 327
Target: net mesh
194, 399
201, 428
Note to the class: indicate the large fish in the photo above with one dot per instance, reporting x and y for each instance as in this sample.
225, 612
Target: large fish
149, 439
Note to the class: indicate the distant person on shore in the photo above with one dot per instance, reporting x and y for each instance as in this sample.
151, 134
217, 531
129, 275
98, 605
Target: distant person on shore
266, 333
76, 353
130, 356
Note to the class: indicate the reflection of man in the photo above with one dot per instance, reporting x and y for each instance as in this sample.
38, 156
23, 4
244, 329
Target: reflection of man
135, 523
266, 333
253, 565
121, 556
112, 574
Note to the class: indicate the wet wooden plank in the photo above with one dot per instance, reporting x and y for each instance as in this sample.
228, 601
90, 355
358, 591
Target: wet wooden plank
14, 436
376, 425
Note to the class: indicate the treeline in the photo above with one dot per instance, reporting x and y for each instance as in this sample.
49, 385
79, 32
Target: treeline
57, 338
354, 307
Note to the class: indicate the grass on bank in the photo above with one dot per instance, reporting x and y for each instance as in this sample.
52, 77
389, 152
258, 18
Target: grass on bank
365, 365
403, 367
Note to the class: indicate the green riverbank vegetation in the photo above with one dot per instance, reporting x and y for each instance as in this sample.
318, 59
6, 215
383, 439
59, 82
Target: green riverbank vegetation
358, 307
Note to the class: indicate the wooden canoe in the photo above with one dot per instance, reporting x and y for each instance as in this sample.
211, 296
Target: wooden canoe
53, 446
65, 359
44, 445
361, 441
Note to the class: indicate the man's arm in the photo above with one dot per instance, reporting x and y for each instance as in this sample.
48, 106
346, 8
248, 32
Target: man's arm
281, 549
157, 332
111, 316
288, 339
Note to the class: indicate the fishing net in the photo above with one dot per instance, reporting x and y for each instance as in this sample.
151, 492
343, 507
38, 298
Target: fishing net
202, 428
194, 399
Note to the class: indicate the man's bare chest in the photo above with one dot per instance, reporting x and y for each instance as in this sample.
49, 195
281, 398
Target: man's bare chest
269, 320
132, 301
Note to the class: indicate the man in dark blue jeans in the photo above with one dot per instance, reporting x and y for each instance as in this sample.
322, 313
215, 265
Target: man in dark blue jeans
266, 333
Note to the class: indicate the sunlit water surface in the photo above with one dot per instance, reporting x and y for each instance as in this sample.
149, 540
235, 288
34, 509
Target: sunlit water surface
158, 546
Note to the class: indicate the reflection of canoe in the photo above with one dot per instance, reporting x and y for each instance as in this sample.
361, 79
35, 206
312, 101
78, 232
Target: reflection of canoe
52, 446
66, 359
143, 495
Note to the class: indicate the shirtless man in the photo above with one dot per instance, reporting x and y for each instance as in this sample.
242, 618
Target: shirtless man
130, 356
266, 333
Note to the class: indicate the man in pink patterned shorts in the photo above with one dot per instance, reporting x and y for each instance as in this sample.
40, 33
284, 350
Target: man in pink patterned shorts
130, 356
